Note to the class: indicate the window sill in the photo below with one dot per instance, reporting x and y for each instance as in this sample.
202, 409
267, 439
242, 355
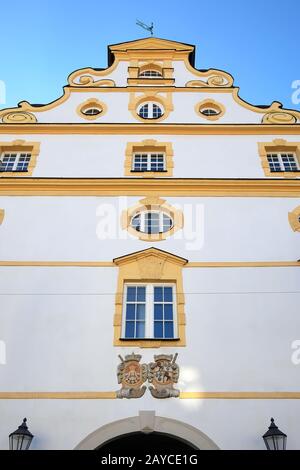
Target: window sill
149, 339
150, 342
149, 171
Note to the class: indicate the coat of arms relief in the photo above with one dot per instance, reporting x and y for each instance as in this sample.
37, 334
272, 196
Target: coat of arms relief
162, 374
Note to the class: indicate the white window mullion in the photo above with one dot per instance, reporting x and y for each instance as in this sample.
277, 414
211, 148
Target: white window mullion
149, 311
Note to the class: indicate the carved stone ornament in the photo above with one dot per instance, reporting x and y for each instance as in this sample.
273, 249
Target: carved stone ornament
163, 373
132, 375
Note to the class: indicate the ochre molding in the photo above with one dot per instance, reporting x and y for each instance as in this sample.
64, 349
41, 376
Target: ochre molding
19, 186
294, 219
149, 145
2, 213
208, 103
190, 264
150, 128
183, 395
21, 146
278, 146
161, 97
90, 103
57, 395
150, 265
152, 204
273, 114
241, 395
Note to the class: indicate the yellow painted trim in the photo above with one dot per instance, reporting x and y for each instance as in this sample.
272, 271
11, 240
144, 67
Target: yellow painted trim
90, 103
273, 114
83, 264
208, 103
57, 395
278, 145
150, 128
154, 81
161, 97
294, 219
155, 204
190, 264
2, 213
183, 395
241, 395
21, 146
151, 265
149, 145
242, 264
149, 187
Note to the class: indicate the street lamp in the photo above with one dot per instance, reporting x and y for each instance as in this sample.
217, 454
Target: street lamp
274, 438
21, 438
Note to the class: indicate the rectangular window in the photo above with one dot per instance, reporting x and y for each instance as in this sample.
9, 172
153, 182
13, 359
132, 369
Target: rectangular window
149, 311
148, 162
282, 162
14, 161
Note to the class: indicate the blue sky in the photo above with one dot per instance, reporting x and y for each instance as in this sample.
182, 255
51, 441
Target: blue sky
256, 41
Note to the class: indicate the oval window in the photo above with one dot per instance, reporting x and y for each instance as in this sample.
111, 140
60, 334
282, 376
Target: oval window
91, 111
152, 222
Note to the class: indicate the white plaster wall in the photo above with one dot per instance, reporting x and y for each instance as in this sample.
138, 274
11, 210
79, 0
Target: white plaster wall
57, 326
89, 229
195, 156
117, 108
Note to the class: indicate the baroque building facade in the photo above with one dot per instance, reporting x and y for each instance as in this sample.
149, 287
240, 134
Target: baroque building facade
149, 247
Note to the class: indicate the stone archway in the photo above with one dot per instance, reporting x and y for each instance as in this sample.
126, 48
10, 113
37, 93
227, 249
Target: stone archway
147, 423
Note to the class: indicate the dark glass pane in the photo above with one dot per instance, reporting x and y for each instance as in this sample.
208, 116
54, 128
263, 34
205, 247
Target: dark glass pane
169, 329
158, 294
141, 294
158, 329
140, 329
131, 294
129, 330
130, 311
158, 312
168, 294
140, 311
168, 310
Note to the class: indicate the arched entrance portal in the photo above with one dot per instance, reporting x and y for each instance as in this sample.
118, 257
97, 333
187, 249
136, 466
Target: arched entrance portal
147, 426
153, 443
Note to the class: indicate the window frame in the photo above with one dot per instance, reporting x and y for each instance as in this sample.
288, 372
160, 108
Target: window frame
149, 311
149, 156
17, 155
276, 147
279, 155
18, 147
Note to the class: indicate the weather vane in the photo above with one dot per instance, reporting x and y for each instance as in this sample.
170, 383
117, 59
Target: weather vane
145, 26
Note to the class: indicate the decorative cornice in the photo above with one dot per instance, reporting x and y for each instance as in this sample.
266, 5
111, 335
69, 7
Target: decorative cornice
183, 395
164, 255
148, 128
20, 186
190, 264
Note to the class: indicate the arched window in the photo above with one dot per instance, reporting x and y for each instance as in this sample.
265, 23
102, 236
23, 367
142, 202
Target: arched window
150, 110
152, 222
150, 73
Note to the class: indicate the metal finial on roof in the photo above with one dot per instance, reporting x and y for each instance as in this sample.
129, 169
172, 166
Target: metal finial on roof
145, 26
